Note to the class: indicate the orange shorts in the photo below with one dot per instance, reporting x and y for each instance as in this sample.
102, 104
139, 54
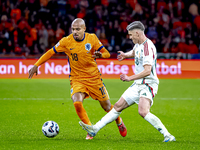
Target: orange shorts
91, 87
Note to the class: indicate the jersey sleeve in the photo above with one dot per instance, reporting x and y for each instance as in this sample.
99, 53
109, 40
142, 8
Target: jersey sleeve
105, 53
46, 56
98, 46
61, 45
147, 54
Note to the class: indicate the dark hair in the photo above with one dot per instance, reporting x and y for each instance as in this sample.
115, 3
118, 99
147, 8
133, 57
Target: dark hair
135, 25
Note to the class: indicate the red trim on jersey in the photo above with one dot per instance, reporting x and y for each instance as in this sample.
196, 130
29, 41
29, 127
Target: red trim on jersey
143, 82
146, 51
151, 89
152, 52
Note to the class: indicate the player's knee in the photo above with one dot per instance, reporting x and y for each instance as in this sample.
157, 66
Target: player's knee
78, 97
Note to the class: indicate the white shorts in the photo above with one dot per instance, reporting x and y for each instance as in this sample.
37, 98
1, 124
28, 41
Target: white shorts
135, 91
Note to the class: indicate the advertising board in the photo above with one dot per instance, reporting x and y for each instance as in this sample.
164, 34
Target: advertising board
109, 68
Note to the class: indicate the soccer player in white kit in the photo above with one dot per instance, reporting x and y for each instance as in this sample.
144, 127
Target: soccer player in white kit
145, 85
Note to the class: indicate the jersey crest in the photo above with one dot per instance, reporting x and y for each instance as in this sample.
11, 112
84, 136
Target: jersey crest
88, 46
71, 90
57, 44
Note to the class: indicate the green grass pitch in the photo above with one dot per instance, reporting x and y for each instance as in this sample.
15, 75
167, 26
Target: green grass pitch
26, 104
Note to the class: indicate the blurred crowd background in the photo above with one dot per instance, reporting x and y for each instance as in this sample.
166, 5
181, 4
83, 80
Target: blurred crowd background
29, 28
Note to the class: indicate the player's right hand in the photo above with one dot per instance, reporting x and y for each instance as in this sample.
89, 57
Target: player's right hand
32, 71
121, 55
124, 77
97, 54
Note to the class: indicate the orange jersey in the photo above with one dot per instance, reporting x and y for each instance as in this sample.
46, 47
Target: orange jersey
82, 65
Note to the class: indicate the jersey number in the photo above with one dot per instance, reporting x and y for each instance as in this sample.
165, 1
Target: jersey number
136, 61
74, 56
102, 90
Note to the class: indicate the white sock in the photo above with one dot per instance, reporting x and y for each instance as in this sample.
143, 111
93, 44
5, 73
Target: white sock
155, 121
108, 118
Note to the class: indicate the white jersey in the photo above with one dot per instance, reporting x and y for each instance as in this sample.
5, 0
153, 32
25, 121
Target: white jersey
145, 53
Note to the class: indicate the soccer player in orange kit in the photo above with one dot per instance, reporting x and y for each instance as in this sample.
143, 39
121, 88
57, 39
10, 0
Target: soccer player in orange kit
82, 49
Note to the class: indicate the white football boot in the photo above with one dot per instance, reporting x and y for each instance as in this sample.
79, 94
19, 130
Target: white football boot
169, 138
88, 128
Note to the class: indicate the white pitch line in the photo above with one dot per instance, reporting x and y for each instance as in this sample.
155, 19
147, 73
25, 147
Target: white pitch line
32, 99
179, 98
170, 98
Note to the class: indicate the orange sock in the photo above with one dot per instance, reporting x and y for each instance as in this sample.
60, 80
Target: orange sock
118, 120
82, 113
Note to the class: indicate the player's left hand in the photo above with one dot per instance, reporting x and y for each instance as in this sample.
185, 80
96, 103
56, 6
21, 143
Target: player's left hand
97, 54
124, 77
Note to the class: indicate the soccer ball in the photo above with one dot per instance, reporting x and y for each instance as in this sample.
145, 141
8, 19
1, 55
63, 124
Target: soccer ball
50, 129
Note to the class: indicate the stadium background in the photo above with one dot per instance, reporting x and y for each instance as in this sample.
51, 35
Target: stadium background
30, 27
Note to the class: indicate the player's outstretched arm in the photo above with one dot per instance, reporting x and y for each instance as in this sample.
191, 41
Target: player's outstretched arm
123, 55
42, 60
